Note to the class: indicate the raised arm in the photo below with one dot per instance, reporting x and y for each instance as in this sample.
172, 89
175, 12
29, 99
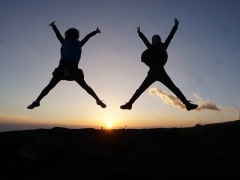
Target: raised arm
173, 31
143, 37
58, 34
87, 37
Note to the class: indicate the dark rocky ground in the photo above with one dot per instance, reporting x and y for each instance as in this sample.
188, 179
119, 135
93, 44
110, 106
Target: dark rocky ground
208, 151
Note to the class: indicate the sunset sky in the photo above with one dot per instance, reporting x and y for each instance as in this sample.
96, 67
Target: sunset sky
203, 62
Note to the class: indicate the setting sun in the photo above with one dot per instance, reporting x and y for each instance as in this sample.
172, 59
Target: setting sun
109, 124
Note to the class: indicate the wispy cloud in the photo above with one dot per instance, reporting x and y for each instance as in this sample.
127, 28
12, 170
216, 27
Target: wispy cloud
173, 100
167, 98
207, 104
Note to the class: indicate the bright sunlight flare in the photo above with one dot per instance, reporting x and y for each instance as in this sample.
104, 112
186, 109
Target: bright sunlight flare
109, 124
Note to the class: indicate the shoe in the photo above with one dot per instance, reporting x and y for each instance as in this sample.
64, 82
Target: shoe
126, 106
191, 106
33, 105
100, 103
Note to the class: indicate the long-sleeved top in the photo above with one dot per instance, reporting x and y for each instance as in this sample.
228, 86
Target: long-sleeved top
156, 55
71, 50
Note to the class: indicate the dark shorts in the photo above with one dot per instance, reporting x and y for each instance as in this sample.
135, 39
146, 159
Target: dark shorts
69, 73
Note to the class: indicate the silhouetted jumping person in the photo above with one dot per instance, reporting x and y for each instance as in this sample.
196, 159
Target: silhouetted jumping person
155, 57
71, 50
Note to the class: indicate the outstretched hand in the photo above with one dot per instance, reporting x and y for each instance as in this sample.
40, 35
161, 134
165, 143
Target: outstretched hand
52, 23
98, 30
138, 29
176, 21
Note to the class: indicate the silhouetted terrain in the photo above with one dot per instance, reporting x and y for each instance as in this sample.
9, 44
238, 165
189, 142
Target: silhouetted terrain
59, 153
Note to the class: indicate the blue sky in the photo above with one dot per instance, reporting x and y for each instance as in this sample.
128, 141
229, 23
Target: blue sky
203, 62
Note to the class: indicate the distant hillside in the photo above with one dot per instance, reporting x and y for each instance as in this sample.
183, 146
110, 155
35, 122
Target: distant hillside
202, 151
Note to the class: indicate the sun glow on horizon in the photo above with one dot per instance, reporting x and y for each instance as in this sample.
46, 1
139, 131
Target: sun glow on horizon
109, 124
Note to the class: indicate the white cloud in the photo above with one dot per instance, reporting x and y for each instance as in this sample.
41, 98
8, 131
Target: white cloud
167, 98
202, 104
206, 104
